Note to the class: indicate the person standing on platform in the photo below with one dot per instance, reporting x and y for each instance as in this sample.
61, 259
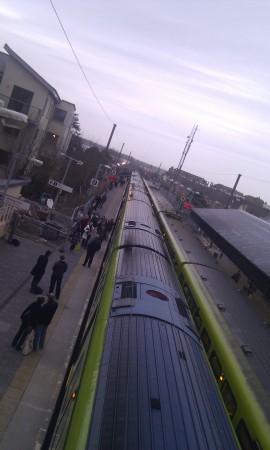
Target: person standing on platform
29, 319
38, 272
93, 246
44, 320
15, 222
86, 234
59, 268
75, 238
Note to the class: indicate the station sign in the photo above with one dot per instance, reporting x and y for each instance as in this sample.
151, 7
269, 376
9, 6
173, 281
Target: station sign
61, 186
94, 182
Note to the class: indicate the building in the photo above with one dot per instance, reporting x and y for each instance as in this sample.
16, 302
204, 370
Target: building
49, 118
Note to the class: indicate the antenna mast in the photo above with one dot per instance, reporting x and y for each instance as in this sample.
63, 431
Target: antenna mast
186, 149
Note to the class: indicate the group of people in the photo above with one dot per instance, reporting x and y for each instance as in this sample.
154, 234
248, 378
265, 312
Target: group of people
38, 315
58, 270
85, 226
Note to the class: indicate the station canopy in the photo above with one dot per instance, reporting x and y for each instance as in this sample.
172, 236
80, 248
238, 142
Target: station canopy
244, 238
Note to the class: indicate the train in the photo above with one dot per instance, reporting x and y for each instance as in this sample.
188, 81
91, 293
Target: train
214, 307
138, 377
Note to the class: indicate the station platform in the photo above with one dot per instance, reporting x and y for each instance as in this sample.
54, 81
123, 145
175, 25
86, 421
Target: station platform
29, 385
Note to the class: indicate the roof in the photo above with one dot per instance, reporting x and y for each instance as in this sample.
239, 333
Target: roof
12, 183
33, 72
244, 238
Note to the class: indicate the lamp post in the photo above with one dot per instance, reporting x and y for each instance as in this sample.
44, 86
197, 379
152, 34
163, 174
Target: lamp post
17, 156
80, 163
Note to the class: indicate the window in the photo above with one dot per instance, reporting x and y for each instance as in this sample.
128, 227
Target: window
20, 100
198, 320
244, 436
190, 299
4, 157
129, 290
216, 366
228, 399
205, 340
182, 308
59, 115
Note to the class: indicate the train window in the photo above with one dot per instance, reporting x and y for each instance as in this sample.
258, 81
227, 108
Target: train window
181, 278
190, 299
182, 308
228, 399
206, 341
157, 294
216, 366
129, 290
197, 320
244, 436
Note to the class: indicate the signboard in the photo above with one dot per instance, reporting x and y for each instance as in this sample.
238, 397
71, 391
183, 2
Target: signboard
61, 186
94, 182
16, 202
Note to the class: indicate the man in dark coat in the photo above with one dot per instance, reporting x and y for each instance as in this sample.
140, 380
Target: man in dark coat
59, 268
29, 319
92, 247
38, 272
44, 320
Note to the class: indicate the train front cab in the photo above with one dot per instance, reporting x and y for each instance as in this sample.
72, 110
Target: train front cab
244, 437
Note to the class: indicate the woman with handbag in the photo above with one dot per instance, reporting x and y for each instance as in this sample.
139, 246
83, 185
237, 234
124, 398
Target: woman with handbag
29, 318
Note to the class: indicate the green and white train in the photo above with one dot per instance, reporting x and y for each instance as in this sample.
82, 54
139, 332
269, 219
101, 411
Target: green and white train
241, 375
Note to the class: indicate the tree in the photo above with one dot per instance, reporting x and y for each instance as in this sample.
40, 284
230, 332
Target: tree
41, 175
79, 176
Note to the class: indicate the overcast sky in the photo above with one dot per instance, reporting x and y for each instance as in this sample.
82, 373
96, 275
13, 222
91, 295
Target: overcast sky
158, 68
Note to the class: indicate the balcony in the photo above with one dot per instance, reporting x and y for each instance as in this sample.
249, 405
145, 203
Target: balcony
32, 112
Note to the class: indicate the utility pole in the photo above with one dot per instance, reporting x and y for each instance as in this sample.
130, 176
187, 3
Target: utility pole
119, 154
70, 159
110, 138
186, 150
233, 191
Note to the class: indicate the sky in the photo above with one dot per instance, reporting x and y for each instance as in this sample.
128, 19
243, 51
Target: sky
156, 69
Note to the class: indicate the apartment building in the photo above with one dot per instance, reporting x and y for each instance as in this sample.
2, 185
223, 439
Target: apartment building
49, 117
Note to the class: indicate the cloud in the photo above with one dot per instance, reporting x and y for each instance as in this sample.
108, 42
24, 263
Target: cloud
8, 13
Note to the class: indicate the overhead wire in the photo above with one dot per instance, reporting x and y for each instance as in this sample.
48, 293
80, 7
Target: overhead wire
79, 64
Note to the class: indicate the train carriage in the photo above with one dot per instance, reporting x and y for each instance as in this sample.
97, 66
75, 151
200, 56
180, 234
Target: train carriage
214, 307
146, 383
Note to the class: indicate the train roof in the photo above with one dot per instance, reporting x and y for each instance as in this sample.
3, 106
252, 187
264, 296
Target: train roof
238, 313
244, 238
